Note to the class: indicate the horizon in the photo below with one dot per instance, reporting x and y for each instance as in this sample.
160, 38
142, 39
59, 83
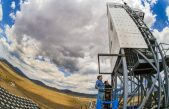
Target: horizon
57, 42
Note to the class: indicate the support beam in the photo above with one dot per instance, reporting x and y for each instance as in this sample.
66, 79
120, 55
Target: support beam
125, 74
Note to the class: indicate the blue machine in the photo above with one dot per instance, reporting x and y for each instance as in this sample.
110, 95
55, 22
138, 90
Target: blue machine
113, 103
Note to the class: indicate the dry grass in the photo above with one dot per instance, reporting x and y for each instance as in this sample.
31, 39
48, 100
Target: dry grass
47, 99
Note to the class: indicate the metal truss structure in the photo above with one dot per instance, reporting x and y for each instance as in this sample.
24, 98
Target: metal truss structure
141, 74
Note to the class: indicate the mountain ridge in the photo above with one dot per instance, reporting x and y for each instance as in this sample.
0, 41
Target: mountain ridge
66, 91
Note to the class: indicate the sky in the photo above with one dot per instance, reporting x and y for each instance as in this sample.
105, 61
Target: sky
57, 41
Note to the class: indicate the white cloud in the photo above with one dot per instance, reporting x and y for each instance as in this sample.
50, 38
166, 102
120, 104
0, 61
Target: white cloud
50, 74
150, 18
59, 30
13, 5
69, 33
167, 12
162, 36
1, 30
1, 13
12, 15
152, 1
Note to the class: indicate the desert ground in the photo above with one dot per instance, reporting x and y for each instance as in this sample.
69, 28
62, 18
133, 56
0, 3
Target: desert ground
45, 98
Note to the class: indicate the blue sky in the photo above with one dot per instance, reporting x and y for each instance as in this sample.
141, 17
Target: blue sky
6, 19
44, 26
158, 9
6, 6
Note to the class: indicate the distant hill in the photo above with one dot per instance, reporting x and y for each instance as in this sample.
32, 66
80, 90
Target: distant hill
18, 71
46, 97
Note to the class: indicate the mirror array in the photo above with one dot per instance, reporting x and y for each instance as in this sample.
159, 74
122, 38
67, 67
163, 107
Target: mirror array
11, 101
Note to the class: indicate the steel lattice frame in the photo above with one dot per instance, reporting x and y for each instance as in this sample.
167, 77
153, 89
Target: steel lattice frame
143, 90
156, 84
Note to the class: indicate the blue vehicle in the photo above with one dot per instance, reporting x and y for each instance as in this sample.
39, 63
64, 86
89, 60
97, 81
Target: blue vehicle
113, 103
